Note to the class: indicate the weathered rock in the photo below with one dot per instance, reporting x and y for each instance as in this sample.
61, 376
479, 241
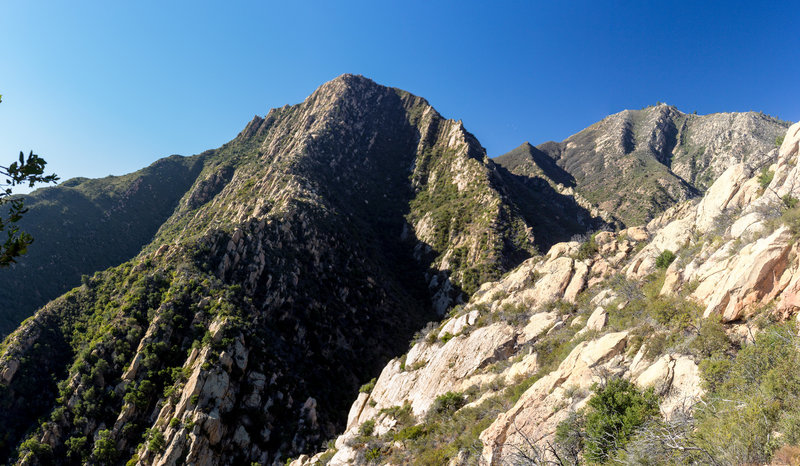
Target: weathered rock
577, 283
537, 325
524, 368
635, 233
676, 379
717, 197
442, 368
791, 142
556, 275
597, 320
747, 224
9, 369
456, 325
745, 278
672, 279
533, 416
672, 238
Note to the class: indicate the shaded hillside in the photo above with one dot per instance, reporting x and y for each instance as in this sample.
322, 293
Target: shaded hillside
304, 256
83, 226
637, 163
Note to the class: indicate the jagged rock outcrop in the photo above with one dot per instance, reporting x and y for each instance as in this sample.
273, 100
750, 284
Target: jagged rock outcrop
739, 263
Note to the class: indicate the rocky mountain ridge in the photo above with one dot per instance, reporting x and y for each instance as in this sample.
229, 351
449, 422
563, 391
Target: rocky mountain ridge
308, 249
667, 155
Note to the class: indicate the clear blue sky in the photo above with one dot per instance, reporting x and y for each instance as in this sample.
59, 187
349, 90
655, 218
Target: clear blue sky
102, 88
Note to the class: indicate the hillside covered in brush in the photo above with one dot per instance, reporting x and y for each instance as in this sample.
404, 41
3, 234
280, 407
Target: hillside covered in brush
83, 226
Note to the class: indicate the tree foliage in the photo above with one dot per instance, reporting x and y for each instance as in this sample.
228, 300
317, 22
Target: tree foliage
26, 171
613, 415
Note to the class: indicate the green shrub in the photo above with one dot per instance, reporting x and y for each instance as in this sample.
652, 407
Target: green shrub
714, 371
105, 449
664, 259
36, 448
657, 344
156, 442
753, 402
442, 438
790, 201
791, 218
711, 339
373, 455
569, 435
779, 141
402, 414
587, 249
367, 387
765, 178
367, 428
410, 433
447, 404
614, 413
76, 447
673, 312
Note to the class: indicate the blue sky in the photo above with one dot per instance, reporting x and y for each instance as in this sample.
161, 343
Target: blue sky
100, 88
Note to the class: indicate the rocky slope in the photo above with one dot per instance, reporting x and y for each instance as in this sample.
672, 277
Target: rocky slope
493, 383
303, 256
667, 155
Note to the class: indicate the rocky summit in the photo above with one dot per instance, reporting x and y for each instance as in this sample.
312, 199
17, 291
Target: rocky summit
351, 280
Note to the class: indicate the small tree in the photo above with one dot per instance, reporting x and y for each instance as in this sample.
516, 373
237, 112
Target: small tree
664, 259
105, 449
28, 170
615, 412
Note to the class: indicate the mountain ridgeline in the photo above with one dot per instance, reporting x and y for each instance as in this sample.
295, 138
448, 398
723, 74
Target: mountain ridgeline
637, 163
294, 262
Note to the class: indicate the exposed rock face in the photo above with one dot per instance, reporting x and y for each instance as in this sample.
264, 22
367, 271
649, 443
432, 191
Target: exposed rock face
533, 416
727, 286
